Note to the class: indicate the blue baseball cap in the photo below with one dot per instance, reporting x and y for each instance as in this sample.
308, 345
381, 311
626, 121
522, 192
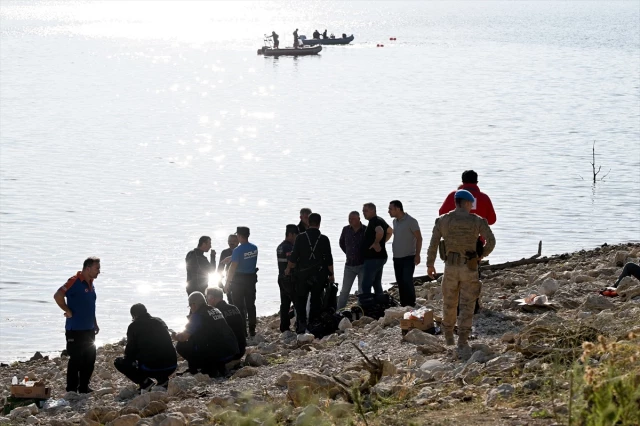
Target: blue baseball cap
464, 195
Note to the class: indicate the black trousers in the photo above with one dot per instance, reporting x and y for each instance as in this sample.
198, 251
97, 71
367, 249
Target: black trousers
243, 289
137, 374
315, 287
82, 358
287, 297
200, 362
404, 267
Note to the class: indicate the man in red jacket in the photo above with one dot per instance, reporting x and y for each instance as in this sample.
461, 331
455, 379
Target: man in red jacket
482, 207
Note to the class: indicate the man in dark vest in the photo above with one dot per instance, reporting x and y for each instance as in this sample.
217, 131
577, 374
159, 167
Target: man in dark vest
232, 315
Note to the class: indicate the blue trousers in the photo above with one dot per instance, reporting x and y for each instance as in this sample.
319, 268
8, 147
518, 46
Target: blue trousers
372, 276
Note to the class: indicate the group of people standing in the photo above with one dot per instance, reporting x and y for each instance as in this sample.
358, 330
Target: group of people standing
217, 331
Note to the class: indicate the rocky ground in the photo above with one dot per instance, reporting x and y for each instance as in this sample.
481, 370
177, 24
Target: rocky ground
516, 374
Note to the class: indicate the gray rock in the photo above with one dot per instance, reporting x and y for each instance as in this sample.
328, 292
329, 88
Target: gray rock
143, 400
344, 324
626, 283
103, 391
245, 372
181, 385
255, 360
504, 391
434, 365
549, 287
172, 419
287, 335
621, 258
127, 393
126, 420
596, 302
283, 379
36, 356
533, 384
393, 315
578, 279
32, 420
19, 413
362, 322
307, 416
429, 344
306, 338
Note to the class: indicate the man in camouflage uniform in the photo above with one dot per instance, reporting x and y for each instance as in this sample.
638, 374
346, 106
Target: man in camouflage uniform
459, 229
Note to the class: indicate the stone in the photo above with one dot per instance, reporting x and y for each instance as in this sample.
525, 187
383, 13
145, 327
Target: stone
508, 338
154, 407
429, 344
502, 364
305, 338
362, 322
306, 384
172, 419
344, 324
425, 395
104, 374
36, 356
19, 413
127, 393
504, 391
181, 385
394, 315
32, 420
389, 368
245, 372
287, 335
308, 415
103, 391
202, 378
341, 409
283, 379
549, 287
434, 365
578, 279
126, 420
101, 414
626, 283
255, 360
621, 258
532, 385
597, 302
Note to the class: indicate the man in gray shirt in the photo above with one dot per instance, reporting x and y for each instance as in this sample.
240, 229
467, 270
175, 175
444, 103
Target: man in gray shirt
407, 244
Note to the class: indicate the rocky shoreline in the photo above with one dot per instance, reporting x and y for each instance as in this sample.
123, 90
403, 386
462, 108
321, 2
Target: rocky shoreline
369, 373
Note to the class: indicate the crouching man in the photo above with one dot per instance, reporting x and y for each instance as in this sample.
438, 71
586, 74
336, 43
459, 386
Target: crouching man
207, 343
149, 353
232, 315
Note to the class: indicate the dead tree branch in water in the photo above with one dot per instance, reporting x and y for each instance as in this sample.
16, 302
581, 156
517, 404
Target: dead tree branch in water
593, 164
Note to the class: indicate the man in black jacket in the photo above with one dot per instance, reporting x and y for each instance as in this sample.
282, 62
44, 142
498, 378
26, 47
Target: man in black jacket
286, 282
207, 342
199, 267
313, 261
149, 353
232, 315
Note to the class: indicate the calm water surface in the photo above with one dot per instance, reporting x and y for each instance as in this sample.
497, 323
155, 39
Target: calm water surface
130, 129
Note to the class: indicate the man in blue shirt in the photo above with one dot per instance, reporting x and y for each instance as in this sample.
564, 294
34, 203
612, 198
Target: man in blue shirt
81, 326
242, 277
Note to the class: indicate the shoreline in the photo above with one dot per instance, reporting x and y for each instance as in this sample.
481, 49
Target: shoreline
407, 378
422, 279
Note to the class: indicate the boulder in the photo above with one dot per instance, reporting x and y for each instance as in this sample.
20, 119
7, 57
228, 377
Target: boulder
344, 324
202, 378
126, 393
181, 385
308, 415
429, 344
393, 315
626, 283
143, 400
171, 419
32, 420
19, 413
305, 338
549, 287
101, 414
596, 302
154, 407
36, 356
245, 372
255, 360
620, 258
362, 322
504, 391
283, 379
434, 365
126, 420
306, 384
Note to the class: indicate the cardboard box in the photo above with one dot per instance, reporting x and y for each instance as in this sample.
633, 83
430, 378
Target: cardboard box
37, 391
425, 324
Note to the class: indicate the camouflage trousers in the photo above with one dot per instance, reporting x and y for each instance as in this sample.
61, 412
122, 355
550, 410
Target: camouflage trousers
459, 283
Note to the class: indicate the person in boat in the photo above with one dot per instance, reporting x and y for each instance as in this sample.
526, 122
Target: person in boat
276, 41
316, 34
296, 43
344, 35
324, 34
332, 36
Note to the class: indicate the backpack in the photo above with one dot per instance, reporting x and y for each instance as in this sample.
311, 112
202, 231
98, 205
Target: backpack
374, 306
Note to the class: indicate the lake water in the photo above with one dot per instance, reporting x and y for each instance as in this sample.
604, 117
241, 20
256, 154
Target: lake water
129, 129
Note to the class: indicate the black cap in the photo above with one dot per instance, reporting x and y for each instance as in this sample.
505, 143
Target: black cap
469, 176
243, 230
138, 309
292, 229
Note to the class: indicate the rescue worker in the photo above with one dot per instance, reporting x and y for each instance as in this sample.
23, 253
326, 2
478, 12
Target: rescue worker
242, 277
313, 261
286, 282
276, 39
459, 229
207, 342
324, 34
232, 315
149, 353
199, 267
304, 219
316, 34
296, 43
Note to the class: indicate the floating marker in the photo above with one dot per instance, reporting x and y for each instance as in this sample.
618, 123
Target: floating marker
392, 39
